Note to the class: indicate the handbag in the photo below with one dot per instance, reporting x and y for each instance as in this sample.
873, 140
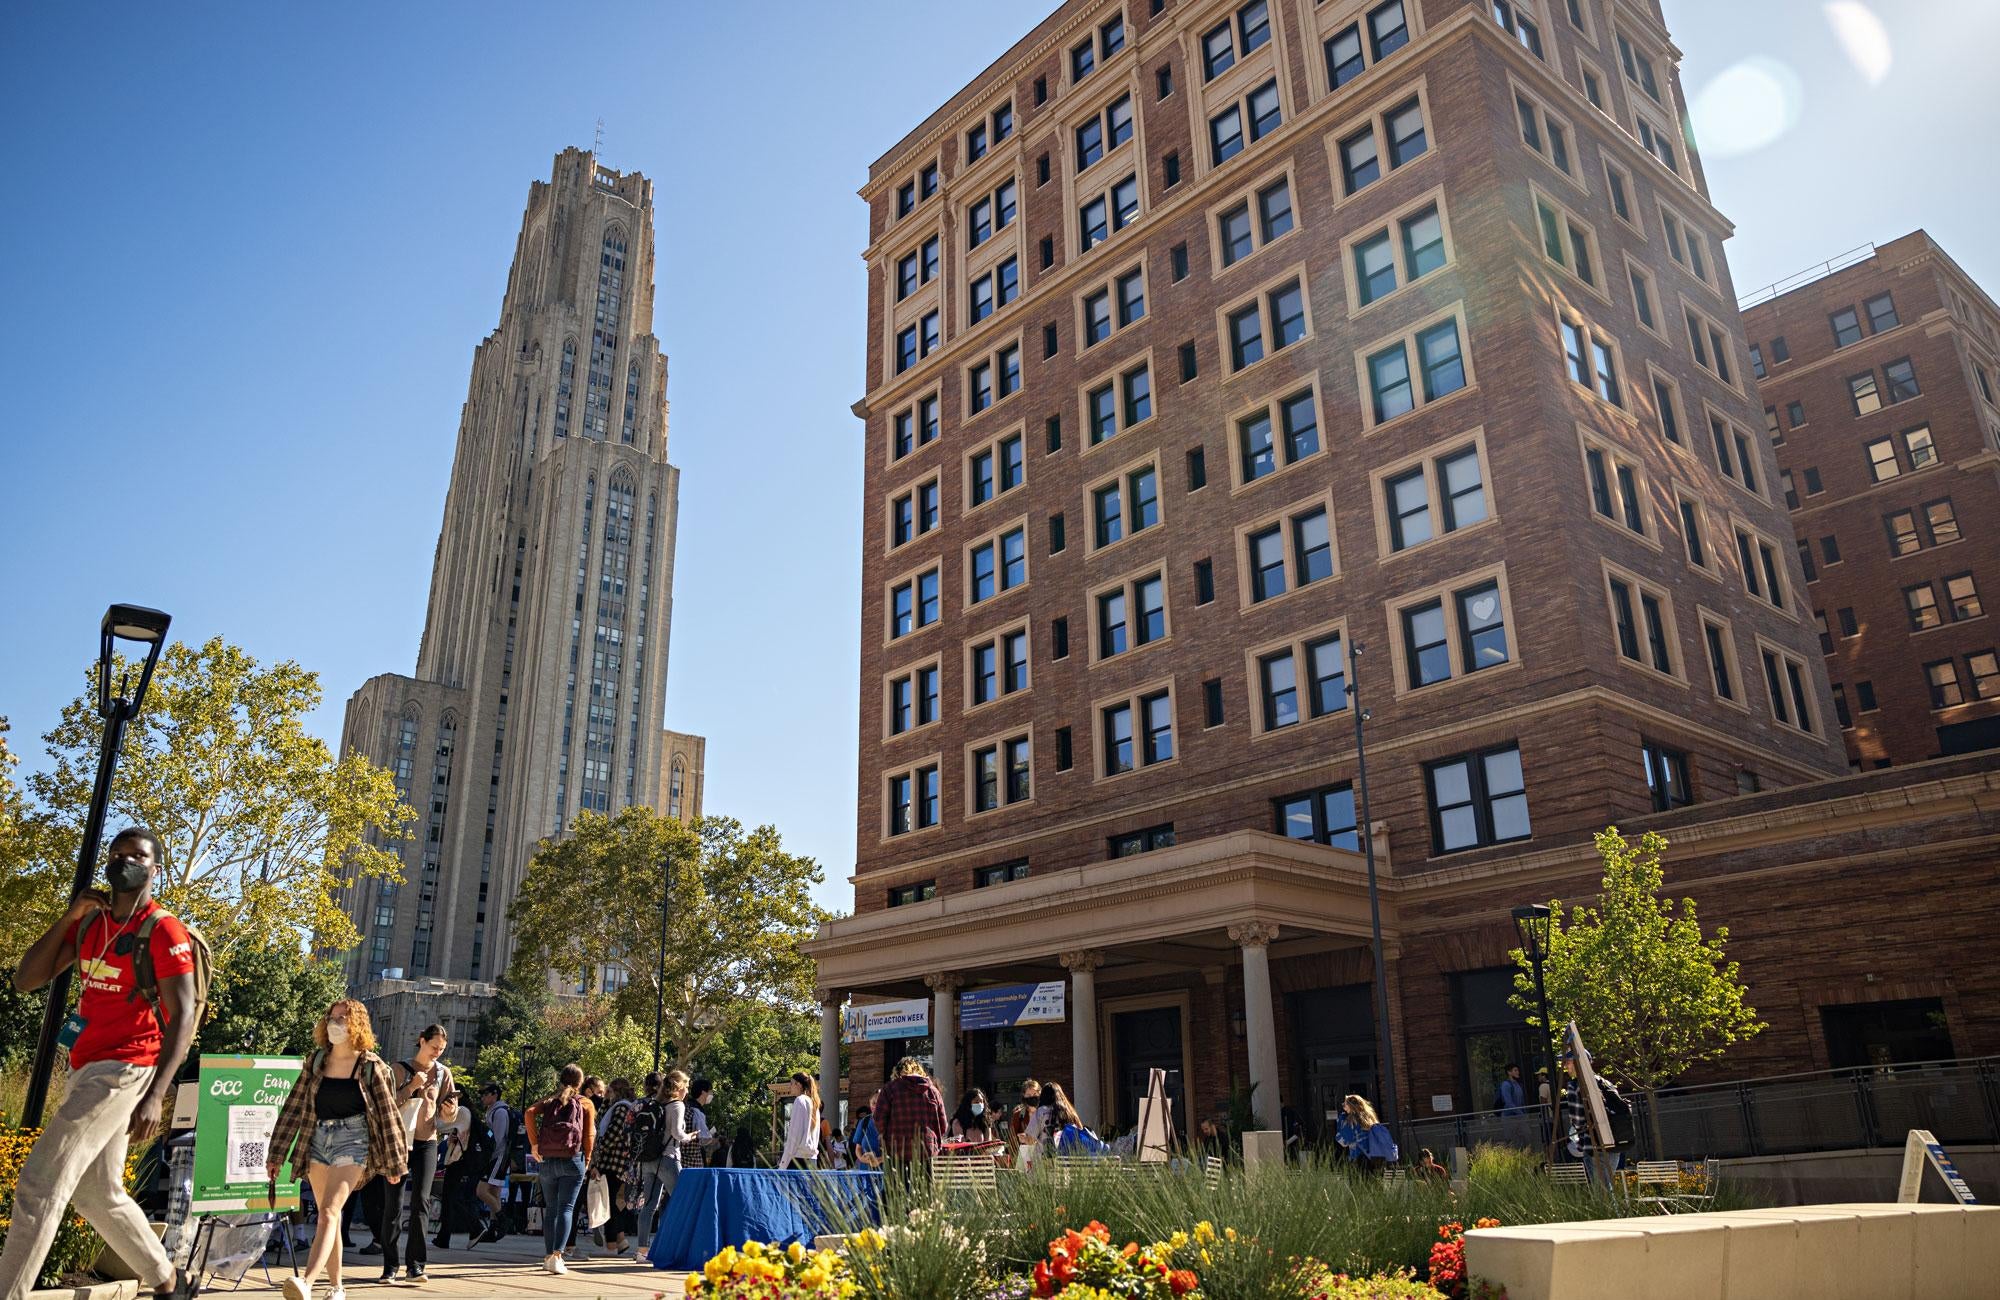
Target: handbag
596, 1203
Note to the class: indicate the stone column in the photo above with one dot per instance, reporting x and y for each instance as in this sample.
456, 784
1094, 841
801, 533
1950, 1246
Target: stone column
1260, 1029
829, 1055
1085, 1083
944, 988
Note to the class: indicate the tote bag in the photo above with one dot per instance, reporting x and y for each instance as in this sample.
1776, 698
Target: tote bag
596, 1202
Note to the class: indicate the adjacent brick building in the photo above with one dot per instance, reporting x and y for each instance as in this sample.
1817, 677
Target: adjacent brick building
1223, 358
1878, 380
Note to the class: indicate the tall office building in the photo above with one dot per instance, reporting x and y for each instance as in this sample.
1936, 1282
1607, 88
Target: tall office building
1878, 374
541, 682
1233, 365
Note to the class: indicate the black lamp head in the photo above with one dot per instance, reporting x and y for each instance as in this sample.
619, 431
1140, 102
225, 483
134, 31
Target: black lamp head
1532, 921
138, 624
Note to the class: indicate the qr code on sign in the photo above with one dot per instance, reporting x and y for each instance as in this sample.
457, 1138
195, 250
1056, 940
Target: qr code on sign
250, 1153
249, 1141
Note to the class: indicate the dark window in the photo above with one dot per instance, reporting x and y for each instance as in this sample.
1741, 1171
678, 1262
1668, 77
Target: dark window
1426, 644
1781, 351
1846, 327
1324, 816
1881, 313
903, 895
1049, 339
1197, 469
1048, 251
1064, 759
1172, 169
1864, 695
1057, 538
1041, 90
1042, 170
1849, 625
1164, 80
1054, 432
1211, 694
1000, 874
1179, 259
1477, 799
1204, 582
1189, 363
1877, 1034
1059, 638
1143, 841
1666, 776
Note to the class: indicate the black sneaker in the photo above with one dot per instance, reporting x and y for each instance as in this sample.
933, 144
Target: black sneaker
388, 1277
372, 1248
417, 1277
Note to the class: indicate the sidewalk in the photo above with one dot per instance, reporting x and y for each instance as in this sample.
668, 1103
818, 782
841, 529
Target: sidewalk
511, 1266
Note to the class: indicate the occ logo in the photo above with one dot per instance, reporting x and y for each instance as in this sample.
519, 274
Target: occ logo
226, 1088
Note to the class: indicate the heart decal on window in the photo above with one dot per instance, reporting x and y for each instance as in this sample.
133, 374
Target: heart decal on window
1482, 609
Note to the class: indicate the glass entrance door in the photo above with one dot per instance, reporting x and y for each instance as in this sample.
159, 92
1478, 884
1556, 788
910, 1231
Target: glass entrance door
1145, 1041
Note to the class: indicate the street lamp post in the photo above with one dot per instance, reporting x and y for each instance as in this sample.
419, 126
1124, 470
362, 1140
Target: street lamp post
1383, 1051
1533, 922
660, 976
143, 626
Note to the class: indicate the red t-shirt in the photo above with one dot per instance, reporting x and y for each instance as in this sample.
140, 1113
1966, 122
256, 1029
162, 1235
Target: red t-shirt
115, 1027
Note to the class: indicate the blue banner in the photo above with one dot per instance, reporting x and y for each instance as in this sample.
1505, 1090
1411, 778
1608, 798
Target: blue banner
1009, 1005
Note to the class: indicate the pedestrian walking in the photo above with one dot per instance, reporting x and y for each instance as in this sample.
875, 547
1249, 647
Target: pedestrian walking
659, 1151
136, 1015
1361, 1132
424, 1091
455, 1199
802, 1129
494, 1145
562, 1130
341, 1122
909, 1114
1509, 1097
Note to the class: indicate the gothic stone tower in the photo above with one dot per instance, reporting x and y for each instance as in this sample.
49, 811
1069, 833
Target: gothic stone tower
541, 682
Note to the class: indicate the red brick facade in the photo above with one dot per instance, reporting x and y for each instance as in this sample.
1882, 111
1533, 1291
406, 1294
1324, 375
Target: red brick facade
1883, 513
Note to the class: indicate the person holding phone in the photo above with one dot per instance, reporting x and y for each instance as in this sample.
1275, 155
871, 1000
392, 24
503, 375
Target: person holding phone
341, 1121
122, 1059
425, 1094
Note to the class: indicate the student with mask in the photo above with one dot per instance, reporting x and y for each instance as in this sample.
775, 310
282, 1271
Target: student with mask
424, 1091
341, 1123
971, 1122
701, 1093
131, 1041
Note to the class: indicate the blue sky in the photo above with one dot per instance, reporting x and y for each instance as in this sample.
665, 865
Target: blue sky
246, 251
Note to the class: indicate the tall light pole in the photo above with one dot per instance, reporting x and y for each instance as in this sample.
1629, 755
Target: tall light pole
141, 626
1383, 1051
660, 976
1533, 922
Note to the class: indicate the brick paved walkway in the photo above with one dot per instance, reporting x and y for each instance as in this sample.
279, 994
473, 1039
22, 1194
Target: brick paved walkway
509, 1267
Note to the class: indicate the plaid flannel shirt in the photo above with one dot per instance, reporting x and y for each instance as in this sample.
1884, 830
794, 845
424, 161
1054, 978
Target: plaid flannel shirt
910, 1117
1573, 1122
613, 1154
388, 1140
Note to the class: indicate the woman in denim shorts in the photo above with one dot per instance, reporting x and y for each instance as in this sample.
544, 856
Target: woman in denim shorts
342, 1123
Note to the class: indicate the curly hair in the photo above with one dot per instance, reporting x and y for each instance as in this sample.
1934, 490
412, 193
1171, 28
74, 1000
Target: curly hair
360, 1032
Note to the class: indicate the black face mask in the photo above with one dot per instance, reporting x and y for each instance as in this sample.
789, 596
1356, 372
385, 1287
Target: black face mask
126, 874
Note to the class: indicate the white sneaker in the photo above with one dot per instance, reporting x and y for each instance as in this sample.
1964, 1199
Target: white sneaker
549, 1264
557, 1266
296, 1288
338, 1293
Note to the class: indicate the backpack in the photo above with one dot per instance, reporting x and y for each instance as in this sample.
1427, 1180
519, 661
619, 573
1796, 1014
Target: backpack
560, 1133
649, 1137
1619, 1112
146, 984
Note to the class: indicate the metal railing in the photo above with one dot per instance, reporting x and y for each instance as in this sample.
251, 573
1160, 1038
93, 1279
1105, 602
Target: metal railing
1828, 1110
1806, 277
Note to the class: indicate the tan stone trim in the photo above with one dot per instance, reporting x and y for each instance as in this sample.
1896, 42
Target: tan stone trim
1670, 629
1429, 458
1446, 593
1704, 617
998, 742
1544, 114
1683, 493
1295, 642
1093, 625
1295, 275
1407, 339
1286, 518
1636, 271
1115, 376
934, 478
994, 538
1392, 226
1616, 458
1108, 286
1121, 479
1569, 225
991, 446
996, 637
1767, 646
1374, 119
1272, 408
1131, 699
934, 660
1247, 196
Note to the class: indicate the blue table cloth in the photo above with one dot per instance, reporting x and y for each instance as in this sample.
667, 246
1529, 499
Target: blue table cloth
713, 1208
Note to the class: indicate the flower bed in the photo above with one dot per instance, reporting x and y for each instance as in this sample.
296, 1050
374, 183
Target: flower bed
76, 1244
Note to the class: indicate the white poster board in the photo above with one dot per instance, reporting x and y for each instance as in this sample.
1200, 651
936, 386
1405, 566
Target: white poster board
1593, 1098
1920, 1149
1156, 1120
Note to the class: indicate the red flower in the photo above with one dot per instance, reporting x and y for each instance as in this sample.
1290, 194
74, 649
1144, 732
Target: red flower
1181, 1281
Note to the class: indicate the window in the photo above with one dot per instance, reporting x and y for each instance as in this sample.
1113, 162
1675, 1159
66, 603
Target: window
906, 198
1118, 303
904, 895
990, 215
927, 181
1846, 325
1434, 497
1131, 614
1413, 244
1103, 132
1477, 799
1137, 732
1902, 377
1565, 241
913, 604
1252, 223
1220, 48
1918, 447
995, 289
1454, 634
1840, 710
1592, 361
1127, 504
1781, 351
914, 426
1642, 296
1287, 428
1694, 533
1864, 695
1059, 638
1520, 22
1666, 402
1709, 344
1324, 816
997, 666
913, 699
1399, 136
999, 773
1616, 488
1143, 841
1757, 369
975, 143
916, 268
1393, 391
916, 341
994, 469
1204, 582
1086, 55
1178, 260
1943, 679
1985, 668
1962, 595
1278, 315
1303, 679
1003, 122
913, 805
1003, 873
1638, 69
997, 564
1760, 568
1543, 132
1163, 81
1666, 775
1109, 212
1388, 31
1190, 364
1618, 183
1849, 625
1116, 405
1941, 521
1785, 679
1171, 169
1734, 453
1721, 659
1657, 141
1290, 552
1260, 109
913, 513
1641, 619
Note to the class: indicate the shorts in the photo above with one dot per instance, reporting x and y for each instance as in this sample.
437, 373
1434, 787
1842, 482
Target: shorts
339, 1142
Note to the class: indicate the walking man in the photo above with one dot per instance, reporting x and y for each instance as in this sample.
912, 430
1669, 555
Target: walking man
134, 1034
493, 1188
425, 1092
909, 1114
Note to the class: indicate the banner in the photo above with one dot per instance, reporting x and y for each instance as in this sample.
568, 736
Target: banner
879, 1021
234, 1114
1008, 1005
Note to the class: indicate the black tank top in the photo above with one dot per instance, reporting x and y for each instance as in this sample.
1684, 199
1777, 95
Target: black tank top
340, 1098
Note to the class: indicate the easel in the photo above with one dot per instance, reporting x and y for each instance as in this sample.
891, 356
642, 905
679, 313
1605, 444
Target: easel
198, 1266
1156, 1120
1919, 1149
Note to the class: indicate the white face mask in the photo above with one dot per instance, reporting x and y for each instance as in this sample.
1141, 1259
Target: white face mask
336, 1032
979, 1108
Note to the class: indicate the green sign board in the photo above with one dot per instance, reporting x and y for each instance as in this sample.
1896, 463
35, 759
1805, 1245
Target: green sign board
235, 1112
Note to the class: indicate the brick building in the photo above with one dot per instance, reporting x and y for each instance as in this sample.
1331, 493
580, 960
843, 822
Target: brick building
1227, 358
1878, 380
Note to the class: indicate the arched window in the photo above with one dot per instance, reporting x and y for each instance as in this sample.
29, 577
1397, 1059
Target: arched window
433, 844
631, 398
674, 780
604, 334
608, 696
565, 382
563, 766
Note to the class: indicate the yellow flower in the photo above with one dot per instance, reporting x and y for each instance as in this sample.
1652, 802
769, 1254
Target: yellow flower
795, 1252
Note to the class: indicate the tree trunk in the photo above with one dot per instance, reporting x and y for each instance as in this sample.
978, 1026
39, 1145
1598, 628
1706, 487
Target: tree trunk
1652, 1096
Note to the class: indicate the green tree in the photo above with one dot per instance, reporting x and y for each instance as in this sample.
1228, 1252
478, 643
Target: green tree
764, 1042
529, 1034
262, 826
34, 883
739, 908
1652, 997
268, 999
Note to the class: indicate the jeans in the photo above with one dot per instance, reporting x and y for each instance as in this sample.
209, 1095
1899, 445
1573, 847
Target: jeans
561, 1179
416, 1187
652, 1182
79, 1163
1599, 1167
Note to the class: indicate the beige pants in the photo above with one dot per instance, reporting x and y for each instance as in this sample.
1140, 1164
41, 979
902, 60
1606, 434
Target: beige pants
79, 1161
